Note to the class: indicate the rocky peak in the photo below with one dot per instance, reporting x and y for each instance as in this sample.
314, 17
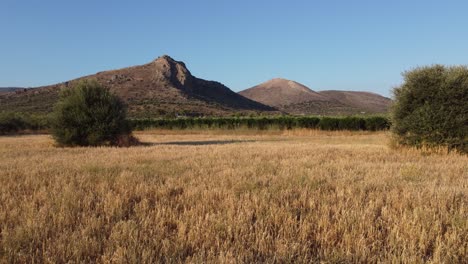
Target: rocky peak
166, 68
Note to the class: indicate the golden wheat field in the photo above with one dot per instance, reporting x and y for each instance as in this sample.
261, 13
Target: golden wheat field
232, 197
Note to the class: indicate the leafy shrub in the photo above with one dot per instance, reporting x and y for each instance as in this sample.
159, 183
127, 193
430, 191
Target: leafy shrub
431, 108
11, 123
374, 123
89, 115
351, 123
328, 123
307, 122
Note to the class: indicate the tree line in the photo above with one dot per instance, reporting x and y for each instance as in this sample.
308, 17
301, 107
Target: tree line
11, 123
370, 123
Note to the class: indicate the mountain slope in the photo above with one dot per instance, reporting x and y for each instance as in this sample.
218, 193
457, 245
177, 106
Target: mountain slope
10, 89
365, 101
281, 92
162, 87
295, 98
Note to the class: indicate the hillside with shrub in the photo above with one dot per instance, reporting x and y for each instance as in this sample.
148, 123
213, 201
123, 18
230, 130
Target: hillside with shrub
163, 87
166, 88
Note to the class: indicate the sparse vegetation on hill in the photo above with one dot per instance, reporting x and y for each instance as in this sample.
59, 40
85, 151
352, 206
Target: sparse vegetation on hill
360, 101
10, 89
295, 98
163, 87
431, 108
280, 92
89, 115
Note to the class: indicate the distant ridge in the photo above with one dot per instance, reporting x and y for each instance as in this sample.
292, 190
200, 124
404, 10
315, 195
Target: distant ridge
366, 101
10, 89
280, 92
295, 98
162, 87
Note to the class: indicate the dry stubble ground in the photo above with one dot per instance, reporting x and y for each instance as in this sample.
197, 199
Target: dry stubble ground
302, 196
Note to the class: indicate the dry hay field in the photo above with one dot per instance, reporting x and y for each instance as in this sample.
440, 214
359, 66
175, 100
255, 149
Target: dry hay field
236, 197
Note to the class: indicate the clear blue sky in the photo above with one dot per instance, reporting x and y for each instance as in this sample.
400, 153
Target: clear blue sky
344, 45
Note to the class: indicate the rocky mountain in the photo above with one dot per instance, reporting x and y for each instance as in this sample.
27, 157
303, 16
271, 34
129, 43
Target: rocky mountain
162, 87
295, 98
281, 92
366, 101
10, 89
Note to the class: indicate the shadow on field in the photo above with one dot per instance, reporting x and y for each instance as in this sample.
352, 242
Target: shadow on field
197, 143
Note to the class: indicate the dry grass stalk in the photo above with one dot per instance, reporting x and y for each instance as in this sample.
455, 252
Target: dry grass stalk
295, 197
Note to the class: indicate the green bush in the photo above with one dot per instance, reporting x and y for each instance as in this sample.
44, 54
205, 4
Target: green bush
307, 122
89, 115
351, 123
374, 123
431, 108
329, 123
11, 122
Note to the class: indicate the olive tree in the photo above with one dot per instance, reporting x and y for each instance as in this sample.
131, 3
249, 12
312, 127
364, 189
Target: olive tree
431, 108
90, 115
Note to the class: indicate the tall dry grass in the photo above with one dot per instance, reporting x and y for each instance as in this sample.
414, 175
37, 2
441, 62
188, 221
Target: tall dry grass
293, 197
